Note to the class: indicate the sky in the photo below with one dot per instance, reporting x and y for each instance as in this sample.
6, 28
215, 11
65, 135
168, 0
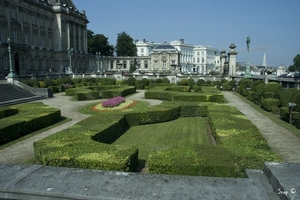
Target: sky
218, 23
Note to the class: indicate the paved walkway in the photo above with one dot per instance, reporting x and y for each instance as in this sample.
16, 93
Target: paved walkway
286, 144
282, 141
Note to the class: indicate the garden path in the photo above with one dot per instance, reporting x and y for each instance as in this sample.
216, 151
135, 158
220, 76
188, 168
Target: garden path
282, 141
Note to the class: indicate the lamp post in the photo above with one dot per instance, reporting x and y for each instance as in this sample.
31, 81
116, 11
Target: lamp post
70, 53
11, 75
98, 54
247, 72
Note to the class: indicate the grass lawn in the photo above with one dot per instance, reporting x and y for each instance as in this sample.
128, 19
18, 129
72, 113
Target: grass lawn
182, 131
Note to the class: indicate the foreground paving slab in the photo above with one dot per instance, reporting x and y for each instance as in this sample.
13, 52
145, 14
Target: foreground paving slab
284, 178
45, 182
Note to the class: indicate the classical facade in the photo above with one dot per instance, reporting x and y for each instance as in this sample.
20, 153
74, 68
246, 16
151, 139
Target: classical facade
206, 59
41, 33
186, 55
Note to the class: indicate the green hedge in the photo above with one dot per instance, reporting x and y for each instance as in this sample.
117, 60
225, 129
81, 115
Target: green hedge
286, 96
86, 95
167, 93
212, 161
233, 131
121, 91
269, 103
285, 114
7, 111
179, 88
30, 117
54, 89
107, 81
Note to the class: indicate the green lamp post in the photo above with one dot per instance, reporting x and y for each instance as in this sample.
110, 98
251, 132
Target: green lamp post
247, 72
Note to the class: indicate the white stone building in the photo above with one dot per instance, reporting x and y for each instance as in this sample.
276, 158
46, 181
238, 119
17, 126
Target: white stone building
186, 55
144, 48
41, 32
206, 59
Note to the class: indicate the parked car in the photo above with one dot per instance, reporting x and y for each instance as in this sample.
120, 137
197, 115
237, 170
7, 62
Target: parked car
297, 75
282, 76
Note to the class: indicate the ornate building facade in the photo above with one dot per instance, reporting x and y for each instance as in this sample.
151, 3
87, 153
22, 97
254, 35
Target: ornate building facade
41, 33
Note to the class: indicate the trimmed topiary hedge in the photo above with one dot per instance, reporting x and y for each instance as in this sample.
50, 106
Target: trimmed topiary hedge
286, 96
269, 103
7, 111
30, 117
233, 131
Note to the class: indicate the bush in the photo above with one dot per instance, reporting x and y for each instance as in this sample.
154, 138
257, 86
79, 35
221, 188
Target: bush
208, 82
159, 80
268, 95
183, 81
269, 103
197, 88
131, 81
42, 84
285, 114
296, 99
26, 82
274, 87
7, 111
165, 80
76, 81
245, 82
60, 81
93, 80
139, 85
200, 82
107, 81
48, 82
34, 83
255, 83
69, 80
190, 82
54, 89
286, 96
84, 80
145, 82
260, 87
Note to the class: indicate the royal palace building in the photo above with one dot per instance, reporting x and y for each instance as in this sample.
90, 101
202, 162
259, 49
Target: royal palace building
42, 33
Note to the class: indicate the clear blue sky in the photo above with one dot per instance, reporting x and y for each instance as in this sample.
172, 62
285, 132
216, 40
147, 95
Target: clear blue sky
217, 23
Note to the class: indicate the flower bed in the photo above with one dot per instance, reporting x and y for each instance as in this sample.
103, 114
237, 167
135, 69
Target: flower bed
116, 101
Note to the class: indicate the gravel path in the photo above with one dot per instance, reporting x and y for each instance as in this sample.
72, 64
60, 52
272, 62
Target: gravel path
286, 144
282, 141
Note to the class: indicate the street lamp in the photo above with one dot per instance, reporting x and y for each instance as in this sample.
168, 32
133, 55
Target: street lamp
70, 53
11, 74
98, 54
247, 72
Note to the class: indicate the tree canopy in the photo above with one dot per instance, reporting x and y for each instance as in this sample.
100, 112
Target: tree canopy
99, 43
125, 45
296, 66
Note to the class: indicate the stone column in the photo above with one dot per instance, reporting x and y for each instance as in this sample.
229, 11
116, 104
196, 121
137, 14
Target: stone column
223, 60
232, 60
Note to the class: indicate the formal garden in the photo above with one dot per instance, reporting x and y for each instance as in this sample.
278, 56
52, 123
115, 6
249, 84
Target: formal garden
192, 132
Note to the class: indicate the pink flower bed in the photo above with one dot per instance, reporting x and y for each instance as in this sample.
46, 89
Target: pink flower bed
113, 102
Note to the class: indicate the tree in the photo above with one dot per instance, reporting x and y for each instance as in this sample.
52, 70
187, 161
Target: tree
125, 45
99, 43
296, 66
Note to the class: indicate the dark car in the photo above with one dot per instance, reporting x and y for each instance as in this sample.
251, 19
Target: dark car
282, 76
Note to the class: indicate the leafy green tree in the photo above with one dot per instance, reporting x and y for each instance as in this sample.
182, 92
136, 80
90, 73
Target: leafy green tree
99, 43
125, 45
296, 66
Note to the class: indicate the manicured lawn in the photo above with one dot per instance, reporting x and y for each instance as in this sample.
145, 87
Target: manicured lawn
183, 131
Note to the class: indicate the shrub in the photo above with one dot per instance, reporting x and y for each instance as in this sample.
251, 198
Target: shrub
285, 114
76, 81
286, 96
245, 82
60, 81
93, 80
200, 82
260, 87
190, 82
42, 84
33, 82
296, 99
84, 80
69, 80
131, 81
26, 82
269, 103
165, 80
197, 88
145, 82
267, 95
107, 81
138, 84
208, 82
183, 81
274, 87
254, 84
159, 80
54, 89
250, 96
49, 82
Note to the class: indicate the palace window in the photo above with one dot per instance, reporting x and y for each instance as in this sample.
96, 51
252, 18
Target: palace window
2, 36
26, 38
24, 16
146, 64
13, 13
155, 63
15, 35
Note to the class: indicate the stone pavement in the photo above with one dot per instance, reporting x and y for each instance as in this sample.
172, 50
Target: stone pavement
18, 181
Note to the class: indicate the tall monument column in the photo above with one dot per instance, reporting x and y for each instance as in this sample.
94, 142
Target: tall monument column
232, 60
223, 59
